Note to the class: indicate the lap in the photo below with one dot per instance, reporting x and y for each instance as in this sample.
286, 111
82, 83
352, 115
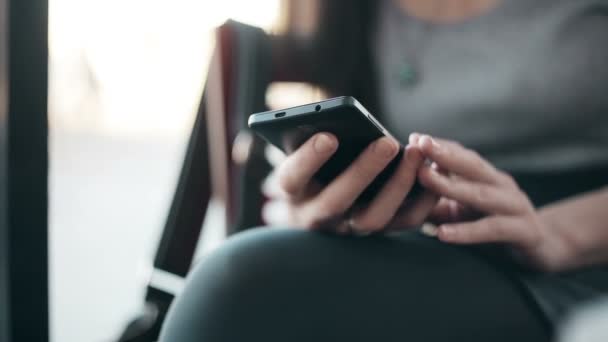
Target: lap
280, 285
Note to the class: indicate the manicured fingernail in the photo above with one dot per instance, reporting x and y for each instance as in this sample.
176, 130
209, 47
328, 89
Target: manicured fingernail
323, 143
426, 139
429, 229
413, 139
385, 147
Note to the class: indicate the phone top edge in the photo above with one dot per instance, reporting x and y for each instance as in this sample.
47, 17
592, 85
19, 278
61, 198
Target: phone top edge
257, 118
370, 117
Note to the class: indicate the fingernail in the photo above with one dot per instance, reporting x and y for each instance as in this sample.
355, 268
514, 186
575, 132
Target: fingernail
413, 139
426, 139
385, 147
423, 140
429, 229
323, 143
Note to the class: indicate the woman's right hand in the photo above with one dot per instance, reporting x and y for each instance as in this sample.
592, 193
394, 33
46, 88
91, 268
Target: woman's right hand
331, 207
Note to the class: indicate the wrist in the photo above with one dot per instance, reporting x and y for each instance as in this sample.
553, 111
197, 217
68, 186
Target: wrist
563, 247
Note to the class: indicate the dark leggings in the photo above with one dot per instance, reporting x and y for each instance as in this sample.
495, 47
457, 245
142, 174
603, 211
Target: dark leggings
288, 285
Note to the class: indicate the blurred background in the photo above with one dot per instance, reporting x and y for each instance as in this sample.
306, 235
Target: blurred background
125, 80
125, 84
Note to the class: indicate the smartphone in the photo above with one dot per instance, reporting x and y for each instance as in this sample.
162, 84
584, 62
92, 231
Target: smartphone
344, 117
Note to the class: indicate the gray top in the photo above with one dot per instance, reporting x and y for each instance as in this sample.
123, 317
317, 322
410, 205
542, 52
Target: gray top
525, 84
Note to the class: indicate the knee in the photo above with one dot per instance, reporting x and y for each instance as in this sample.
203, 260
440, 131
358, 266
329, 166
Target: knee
230, 286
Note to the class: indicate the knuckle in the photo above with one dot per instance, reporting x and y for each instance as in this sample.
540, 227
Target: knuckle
481, 194
288, 183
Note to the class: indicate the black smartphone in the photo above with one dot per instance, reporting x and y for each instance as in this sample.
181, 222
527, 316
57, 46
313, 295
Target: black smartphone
344, 117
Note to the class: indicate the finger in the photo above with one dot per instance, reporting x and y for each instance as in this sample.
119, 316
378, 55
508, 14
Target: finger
416, 213
297, 170
488, 230
443, 211
413, 139
437, 168
483, 197
341, 193
448, 210
384, 206
271, 187
459, 160
276, 213
274, 155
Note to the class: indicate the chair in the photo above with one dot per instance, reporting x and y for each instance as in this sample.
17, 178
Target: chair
223, 158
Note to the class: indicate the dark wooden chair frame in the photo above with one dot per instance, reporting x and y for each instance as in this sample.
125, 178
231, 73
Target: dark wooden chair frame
245, 61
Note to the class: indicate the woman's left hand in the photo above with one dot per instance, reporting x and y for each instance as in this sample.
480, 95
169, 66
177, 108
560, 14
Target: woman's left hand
481, 204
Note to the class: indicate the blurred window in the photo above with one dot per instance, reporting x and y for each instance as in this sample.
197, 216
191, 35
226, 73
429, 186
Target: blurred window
125, 81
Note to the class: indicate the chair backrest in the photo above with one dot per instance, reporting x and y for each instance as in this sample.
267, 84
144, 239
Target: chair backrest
239, 74
223, 158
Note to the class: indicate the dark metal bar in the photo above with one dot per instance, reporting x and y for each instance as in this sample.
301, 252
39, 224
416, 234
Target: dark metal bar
23, 171
4, 262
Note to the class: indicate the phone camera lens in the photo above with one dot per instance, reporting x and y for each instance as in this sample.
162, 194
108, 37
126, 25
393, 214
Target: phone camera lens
318, 108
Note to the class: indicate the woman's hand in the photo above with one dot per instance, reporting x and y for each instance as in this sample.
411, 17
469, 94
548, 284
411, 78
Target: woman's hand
481, 204
331, 207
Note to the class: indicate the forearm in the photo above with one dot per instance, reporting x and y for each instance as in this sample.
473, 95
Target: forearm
580, 225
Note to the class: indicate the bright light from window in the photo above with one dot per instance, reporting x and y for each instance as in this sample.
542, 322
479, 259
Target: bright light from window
136, 67
125, 80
